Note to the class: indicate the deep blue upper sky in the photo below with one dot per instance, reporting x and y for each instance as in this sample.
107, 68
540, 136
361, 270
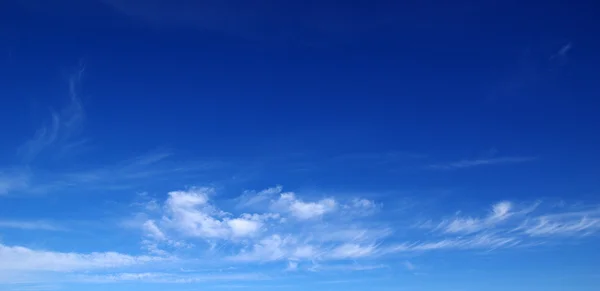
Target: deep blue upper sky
453, 106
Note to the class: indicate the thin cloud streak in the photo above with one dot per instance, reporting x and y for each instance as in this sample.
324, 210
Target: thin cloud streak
18, 258
169, 278
62, 127
563, 224
31, 225
468, 243
464, 164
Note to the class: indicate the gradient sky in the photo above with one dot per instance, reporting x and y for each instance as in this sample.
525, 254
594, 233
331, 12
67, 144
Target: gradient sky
287, 145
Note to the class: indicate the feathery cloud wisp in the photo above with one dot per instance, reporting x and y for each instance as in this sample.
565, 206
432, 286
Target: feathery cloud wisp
31, 225
17, 258
464, 164
500, 212
62, 127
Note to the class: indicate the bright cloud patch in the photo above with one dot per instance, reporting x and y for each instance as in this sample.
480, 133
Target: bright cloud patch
190, 213
299, 209
312, 230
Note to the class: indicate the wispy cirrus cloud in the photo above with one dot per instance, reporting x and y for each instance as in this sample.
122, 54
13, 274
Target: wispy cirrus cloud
563, 224
506, 226
346, 267
170, 278
18, 258
483, 241
61, 135
499, 212
31, 225
465, 164
251, 198
62, 127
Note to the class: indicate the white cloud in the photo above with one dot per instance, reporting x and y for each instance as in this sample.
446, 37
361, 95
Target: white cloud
361, 206
242, 227
564, 224
361, 203
168, 278
250, 198
277, 248
351, 251
304, 252
188, 199
499, 213
346, 267
288, 202
504, 218
268, 237
462, 243
348, 233
191, 213
153, 231
17, 258
272, 248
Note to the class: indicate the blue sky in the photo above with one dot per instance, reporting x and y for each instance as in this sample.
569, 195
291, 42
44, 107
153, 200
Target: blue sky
286, 145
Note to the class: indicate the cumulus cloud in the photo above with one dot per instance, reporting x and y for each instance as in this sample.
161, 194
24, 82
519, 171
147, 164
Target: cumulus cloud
243, 227
191, 214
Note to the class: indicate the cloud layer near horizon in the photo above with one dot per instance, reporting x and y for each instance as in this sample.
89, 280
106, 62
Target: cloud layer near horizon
297, 233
